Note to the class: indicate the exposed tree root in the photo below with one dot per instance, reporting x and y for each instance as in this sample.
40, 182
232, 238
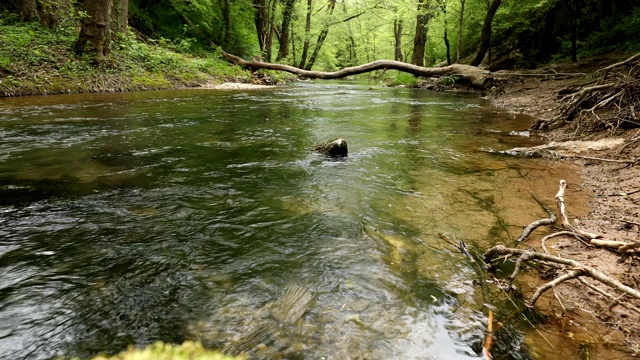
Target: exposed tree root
577, 269
571, 269
613, 102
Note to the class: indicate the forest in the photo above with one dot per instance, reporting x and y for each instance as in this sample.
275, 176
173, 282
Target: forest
333, 34
159, 191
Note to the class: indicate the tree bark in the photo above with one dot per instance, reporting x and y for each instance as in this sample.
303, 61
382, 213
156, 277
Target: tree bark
271, 30
95, 28
485, 35
443, 5
283, 51
397, 34
307, 36
51, 13
226, 39
420, 39
28, 10
262, 24
460, 23
119, 17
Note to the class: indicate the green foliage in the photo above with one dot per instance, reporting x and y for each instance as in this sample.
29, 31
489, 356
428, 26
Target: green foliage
404, 79
617, 34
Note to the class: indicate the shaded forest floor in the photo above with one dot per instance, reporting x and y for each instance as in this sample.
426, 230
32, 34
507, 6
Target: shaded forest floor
615, 214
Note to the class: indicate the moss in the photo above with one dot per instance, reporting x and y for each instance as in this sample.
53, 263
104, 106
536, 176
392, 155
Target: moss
161, 351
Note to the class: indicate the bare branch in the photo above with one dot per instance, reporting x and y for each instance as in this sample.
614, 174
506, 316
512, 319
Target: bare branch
568, 276
587, 270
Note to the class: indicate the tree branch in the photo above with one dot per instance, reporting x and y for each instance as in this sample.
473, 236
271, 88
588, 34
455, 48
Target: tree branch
585, 270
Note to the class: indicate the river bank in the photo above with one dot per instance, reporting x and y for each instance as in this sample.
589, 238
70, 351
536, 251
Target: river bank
610, 175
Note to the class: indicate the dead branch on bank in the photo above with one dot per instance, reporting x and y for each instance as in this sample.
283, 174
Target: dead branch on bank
576, 270
613, 102
536, 224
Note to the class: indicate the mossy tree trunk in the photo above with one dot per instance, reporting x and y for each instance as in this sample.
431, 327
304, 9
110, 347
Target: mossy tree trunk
95, 28
119, 17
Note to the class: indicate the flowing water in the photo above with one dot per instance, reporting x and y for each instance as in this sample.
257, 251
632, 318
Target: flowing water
204, 215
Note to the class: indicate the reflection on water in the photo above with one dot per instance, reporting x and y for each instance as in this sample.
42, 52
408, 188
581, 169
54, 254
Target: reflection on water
130, 218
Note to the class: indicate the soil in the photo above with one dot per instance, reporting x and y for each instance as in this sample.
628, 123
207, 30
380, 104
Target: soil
610, 329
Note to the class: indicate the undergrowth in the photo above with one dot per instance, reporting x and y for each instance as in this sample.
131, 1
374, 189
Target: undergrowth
36, 60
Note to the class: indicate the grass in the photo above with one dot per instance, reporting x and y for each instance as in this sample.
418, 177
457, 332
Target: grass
36, 60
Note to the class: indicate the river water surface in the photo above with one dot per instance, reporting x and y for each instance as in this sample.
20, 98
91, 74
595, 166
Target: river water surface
189, 215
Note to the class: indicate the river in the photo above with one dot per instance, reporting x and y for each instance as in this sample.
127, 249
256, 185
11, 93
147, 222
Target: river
128, 218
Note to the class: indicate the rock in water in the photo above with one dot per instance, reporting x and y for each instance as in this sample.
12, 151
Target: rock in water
335, 148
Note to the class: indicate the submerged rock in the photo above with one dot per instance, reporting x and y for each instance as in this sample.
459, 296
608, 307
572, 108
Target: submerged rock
335, 148
267, 337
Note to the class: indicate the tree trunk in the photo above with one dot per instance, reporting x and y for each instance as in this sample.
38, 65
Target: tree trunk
119, 17
51, 13
322, 37
443, 5
485, 35
226, 4
95, 28
271, 26
307, 36
28, 10
420, 40
283, 51
262, 24
397, 34
459, 41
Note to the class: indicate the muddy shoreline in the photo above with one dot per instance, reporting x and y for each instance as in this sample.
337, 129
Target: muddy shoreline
614, 213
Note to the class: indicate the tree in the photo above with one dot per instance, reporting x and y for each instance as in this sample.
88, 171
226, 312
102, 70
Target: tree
321, 37
485, 35
285, 30
420, 39
51, 13
119, 17
28, 10
397, 35
443, 7
262, 26
307, 36
460, 23
99, 26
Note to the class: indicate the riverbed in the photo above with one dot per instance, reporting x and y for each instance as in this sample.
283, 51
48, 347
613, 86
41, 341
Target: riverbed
188, 215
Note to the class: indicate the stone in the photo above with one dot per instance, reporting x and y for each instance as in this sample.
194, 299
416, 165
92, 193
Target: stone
336, 148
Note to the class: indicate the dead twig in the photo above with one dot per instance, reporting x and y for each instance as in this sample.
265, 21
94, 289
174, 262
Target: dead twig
536, 224
620, 161
606, 294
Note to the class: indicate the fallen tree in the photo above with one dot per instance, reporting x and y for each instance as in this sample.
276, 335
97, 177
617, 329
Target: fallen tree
476, 76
